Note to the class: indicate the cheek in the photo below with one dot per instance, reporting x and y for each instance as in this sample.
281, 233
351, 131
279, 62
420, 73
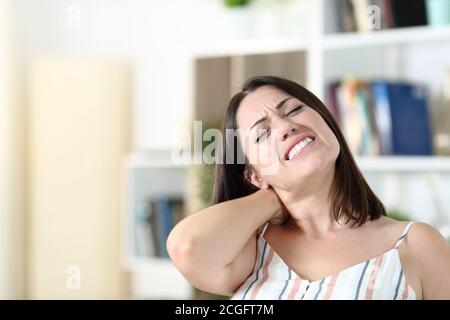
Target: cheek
337, 146
326, 133
332, 142
262, 154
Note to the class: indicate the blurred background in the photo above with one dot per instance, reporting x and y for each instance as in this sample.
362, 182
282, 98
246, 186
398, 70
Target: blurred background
94, 95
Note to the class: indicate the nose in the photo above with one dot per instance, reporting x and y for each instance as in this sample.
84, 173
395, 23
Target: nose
286, 129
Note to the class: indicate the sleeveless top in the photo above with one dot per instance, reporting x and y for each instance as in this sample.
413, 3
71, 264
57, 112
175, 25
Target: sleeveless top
380, 277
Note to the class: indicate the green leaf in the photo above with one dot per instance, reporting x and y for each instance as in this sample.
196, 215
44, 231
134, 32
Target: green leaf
236, 3
398, 215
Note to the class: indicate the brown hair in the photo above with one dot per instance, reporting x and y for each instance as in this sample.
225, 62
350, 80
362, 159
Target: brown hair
352, 197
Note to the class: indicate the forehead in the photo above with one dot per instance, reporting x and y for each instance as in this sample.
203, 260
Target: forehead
254, 104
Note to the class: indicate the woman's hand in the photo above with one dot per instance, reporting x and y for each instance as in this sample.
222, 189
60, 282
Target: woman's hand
282, 214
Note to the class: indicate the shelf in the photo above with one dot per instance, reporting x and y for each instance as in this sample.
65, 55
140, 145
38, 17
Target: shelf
366, 163
155, 159
408, 35
409, 164
157, 278
251, 46
350, 40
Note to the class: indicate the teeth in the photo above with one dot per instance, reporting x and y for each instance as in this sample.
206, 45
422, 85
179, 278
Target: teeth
299, 147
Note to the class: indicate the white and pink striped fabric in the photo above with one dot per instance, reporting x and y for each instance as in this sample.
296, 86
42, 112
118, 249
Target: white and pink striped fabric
379, 278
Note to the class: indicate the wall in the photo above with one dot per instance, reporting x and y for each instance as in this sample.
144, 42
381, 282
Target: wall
11, 173
77, 139
154, 37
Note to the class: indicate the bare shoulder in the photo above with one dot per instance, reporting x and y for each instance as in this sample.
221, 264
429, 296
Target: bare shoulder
430, 253
390, 228
420, 236
425, 240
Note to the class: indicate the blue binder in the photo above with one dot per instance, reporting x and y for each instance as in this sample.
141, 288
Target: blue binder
163, 210
402, 118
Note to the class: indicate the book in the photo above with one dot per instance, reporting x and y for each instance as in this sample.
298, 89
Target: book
369, 137
371, 15
154, 220
163, 223
155, 233
178, 210
357, 121
350, 118
347, 16
332, 98
389, 118
402, 118
386, 19
144, 242
362, 18
408, 13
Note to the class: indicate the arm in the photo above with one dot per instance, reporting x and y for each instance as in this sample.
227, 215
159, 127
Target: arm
431, 254
215, 248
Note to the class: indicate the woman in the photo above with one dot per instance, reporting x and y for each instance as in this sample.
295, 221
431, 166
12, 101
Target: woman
312, 228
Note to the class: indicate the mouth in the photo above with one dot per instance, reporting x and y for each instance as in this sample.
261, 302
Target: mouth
298, 146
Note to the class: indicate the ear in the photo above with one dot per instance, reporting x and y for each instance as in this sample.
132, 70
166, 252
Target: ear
255, 179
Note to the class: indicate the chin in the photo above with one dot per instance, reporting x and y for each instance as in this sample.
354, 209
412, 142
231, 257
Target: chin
312, 166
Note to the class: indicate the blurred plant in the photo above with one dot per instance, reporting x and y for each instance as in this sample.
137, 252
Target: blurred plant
205, 186
236, 3
398, 215
206, 171
206, 180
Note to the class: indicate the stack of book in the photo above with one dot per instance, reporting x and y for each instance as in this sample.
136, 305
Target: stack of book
382, 117
367, 15
154, 219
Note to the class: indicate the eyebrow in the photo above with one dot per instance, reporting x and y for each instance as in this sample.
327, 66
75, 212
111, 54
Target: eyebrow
278, 106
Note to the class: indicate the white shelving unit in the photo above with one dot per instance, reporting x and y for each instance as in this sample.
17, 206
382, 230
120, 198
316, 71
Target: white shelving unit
404, 164
241, 47
389, 42
411, 35
322, 56
147, 175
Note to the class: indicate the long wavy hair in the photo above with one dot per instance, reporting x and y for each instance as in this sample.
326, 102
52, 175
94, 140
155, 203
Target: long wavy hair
352, 197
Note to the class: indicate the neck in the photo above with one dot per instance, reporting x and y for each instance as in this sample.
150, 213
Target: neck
310, 208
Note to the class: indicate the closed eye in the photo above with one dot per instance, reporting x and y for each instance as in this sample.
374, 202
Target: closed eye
262, 136
294, 111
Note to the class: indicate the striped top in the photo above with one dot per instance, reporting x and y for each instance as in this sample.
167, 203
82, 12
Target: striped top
380, 277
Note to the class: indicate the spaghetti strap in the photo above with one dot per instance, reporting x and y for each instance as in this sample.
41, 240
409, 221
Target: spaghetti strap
264, 229
404, 234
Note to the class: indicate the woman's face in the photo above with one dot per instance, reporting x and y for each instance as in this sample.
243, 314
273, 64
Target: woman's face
285, 141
